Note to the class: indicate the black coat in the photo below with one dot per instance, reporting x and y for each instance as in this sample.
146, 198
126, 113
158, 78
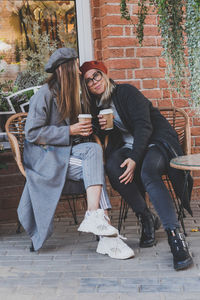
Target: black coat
148, 126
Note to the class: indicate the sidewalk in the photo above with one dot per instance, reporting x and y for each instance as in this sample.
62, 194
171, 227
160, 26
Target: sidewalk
68, 267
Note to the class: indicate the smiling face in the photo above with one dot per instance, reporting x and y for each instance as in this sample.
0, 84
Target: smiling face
96, 87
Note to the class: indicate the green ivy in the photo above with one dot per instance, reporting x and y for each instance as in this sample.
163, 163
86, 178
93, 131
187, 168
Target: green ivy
193, 41
142, 12
172, 32
171, 20
124, 10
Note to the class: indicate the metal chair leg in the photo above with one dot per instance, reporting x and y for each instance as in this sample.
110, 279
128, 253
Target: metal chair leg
32, 247
18, 230
73, 208
122, 213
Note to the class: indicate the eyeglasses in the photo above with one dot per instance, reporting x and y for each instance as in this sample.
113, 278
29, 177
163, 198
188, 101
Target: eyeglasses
97, 77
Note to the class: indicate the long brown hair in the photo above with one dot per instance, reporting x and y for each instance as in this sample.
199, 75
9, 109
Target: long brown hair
65, 84
104, 98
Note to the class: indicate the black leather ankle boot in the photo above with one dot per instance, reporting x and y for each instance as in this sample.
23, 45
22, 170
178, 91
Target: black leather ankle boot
149, 223
181, 256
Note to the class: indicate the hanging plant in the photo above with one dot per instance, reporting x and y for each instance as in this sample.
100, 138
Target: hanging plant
171, 25
193, 41
170, 14
124, 10
142, 12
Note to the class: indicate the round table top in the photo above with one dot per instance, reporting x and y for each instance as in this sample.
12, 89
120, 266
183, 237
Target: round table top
186, 162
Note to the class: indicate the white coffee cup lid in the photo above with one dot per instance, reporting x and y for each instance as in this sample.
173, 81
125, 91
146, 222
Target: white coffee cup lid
106, 111
85, 116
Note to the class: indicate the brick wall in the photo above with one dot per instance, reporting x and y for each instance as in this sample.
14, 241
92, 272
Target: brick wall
11, 187
116, 44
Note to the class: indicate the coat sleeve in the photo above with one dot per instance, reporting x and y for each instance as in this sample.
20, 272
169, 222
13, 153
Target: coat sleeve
38, 128
136, 114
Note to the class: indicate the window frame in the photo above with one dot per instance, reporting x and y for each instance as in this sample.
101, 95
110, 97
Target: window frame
84, 30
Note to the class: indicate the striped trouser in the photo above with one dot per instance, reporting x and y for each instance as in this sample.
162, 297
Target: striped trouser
86, 163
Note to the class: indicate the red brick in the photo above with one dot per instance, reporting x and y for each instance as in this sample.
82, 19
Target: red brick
97, 22
117, 74
152, 94
150, 84
151, 31
149, 41
128, 30
130, 52
195, 131
165, 103
180, 102
162, 63
98, 44
122, 42
112, 53
98, 55
116, 31
148, 52
137, 84
166, 94
196, 121
96, 12
154, 103
149, 73
163, 84
197, 141
132, 82
196, 182
151, 20
149, 62
196, 173
11, 179
124, 63
112, 9
196, 150
117, 20
96, 34
95, 3
129, 74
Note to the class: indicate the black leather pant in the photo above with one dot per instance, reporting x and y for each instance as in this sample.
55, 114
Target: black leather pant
153, 167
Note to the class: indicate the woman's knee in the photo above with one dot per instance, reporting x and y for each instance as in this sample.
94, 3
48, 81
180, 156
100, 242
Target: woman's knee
150, 172
113, 169
95, 149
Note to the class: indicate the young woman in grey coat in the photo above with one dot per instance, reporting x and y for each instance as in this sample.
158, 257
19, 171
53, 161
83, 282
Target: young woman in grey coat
55, 152
138, 153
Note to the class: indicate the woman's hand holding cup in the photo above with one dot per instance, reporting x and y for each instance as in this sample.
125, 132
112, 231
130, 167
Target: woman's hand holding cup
81, 128
106, 119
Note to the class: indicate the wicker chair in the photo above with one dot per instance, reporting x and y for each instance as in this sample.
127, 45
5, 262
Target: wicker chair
15, 131
179, 120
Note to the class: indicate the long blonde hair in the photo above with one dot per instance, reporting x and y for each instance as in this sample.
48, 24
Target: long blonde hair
105, 97
65, 83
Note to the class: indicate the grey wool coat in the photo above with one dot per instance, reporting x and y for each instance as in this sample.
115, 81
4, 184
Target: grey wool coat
46, 155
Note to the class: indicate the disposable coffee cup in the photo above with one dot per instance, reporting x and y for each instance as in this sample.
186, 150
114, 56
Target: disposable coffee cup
84, 117
108, 115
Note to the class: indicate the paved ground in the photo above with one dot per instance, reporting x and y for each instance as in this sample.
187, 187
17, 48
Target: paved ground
69, 268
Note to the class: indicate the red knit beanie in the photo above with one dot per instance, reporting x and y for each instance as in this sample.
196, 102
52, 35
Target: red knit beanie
93, 64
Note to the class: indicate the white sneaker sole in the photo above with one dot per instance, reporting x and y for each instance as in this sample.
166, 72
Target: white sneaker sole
113, 256
114, 234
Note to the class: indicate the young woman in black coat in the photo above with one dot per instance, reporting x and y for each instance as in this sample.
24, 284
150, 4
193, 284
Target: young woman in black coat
138, 153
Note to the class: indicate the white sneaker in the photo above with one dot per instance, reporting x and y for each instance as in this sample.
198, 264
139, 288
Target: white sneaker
114, 247
96, 222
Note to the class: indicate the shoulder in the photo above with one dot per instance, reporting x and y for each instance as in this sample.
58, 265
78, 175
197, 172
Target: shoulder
126, 89
44, 91
130, 93
41, 99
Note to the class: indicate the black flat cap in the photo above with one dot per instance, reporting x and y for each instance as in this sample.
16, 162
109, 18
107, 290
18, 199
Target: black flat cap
59, 57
